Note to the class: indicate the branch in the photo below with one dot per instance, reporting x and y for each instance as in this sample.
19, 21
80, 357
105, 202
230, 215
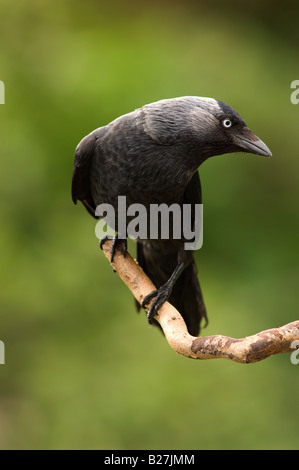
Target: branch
245, 350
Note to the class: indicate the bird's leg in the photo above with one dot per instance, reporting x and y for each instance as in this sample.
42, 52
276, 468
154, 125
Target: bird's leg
116, 240
162, 295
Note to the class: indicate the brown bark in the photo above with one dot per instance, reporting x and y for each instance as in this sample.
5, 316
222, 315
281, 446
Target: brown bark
245, 350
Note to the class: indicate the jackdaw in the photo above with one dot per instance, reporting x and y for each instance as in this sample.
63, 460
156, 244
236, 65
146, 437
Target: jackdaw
151, 156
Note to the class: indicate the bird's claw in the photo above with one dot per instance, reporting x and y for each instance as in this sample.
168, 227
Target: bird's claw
115, 242
161, 295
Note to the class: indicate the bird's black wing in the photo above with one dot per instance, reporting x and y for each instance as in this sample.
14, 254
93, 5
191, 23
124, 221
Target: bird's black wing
81, 189
159, 260
187, 295
193, 194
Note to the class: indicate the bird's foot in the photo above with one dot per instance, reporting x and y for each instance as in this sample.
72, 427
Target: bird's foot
161, 295
115, 242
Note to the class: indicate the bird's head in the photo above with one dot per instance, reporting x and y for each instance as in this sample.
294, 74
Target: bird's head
220, 129
209, 126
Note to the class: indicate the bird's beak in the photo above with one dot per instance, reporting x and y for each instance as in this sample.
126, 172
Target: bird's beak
247, 141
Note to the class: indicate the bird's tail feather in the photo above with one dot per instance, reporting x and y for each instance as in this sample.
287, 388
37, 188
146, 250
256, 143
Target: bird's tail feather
186, 295
187, 298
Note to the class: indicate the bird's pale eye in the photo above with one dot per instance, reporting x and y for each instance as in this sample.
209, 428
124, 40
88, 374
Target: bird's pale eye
227, 123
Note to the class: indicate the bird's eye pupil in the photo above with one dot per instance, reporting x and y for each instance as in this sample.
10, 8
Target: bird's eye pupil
227, 122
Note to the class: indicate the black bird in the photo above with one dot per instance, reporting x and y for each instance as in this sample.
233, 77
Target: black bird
152, 155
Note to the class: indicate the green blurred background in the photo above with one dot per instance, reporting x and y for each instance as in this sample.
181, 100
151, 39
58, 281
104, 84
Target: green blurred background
83, 370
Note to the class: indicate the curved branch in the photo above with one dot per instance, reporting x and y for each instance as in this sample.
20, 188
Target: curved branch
245, 350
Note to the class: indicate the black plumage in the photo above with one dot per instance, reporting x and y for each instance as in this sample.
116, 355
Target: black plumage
151, 156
